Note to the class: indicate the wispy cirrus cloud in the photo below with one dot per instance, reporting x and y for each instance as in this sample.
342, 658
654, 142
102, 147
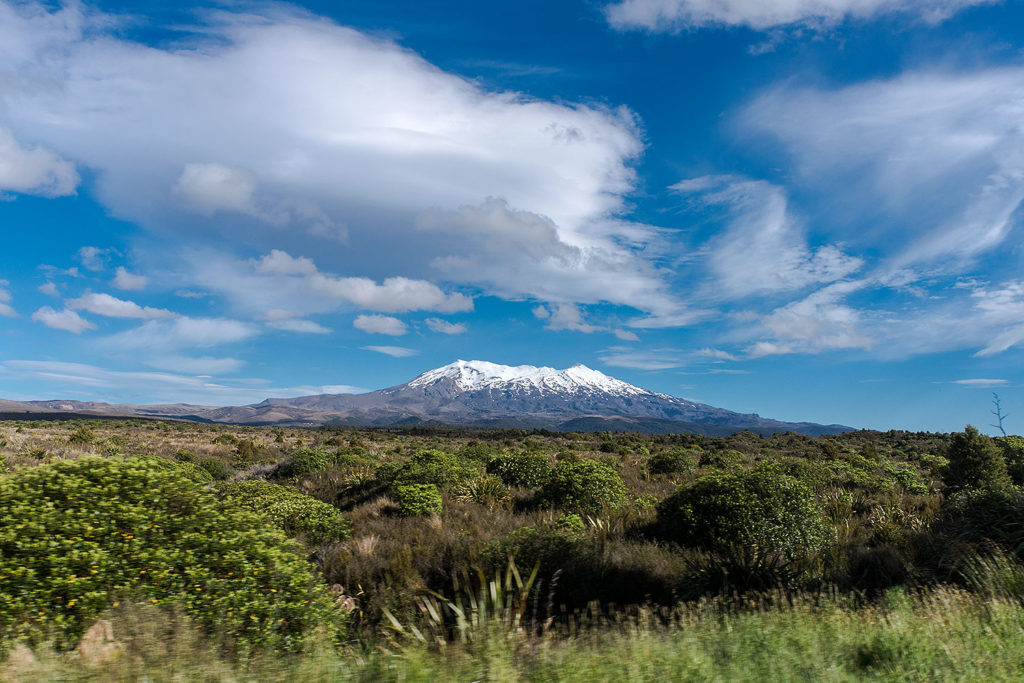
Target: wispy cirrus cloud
678, 15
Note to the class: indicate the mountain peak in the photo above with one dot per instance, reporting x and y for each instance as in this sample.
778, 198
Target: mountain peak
477, 374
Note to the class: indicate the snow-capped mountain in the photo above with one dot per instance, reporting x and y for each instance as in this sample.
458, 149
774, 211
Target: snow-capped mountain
474, 375
483, 394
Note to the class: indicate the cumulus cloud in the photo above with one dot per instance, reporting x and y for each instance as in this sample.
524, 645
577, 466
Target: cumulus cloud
380, 324
214, 187
49, 289
66, 320
323, 129
157, 336
568, 317
301, 326
104, 304
129, 281
393, 351
763, 249
677, 15
5, 301
35, 170
279, 280
94, 258
516, 253
445, 327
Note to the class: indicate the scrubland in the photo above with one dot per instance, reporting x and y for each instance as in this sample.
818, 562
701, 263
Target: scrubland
175, 550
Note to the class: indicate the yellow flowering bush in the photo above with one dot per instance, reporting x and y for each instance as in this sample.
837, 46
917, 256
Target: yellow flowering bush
77, 535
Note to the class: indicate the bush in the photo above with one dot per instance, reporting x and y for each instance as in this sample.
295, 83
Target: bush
306, 460
80, 534
418, 499
433, 467
190, 471
529, 547
996, 515
82, 436
1013, 454
675, 461
721, 460
975, 461
296, 514
216, 467
761, 511
528, 470
584, 486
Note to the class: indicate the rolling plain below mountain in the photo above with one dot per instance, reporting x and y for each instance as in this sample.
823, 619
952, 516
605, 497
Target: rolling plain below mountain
469, 394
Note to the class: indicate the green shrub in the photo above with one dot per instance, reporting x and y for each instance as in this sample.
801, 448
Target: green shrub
721, 460
1013, 454
418, 499
82, 436
189, 470
570, 523
762, 511
528, 470
432, 466
225, 440
975, 461
674, 461
584, 486
979, 514
295, 513
550, 549
216, 467
908, 479
478, 452
80, 534
182, 455
306, 460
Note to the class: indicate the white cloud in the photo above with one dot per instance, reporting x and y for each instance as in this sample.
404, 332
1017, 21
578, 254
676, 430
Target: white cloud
49, 289
274, 113
763, 249
380, 324
66, 320
541, 313
569, 317
157, 387
445, 327
301, 326
156, 336
201, 365
278, 280
677, 15
36, 171
928, 166
626, 335
129, 281
5, 301
104, 304
214, 187
981, 383
94, 258
638, 359
515, 253
394, 351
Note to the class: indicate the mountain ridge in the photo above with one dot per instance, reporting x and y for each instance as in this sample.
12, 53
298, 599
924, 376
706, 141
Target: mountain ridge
477, 394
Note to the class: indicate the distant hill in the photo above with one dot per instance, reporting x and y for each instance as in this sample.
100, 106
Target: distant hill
473, 393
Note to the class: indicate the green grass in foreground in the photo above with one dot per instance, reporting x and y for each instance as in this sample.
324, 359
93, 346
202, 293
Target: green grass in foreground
939, 635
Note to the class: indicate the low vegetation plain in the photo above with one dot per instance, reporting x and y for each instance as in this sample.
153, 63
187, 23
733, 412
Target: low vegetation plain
170, 550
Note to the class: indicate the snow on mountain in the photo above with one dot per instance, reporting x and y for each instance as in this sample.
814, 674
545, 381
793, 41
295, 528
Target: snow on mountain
475, 375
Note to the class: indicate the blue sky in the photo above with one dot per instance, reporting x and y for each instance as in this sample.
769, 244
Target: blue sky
809, 210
